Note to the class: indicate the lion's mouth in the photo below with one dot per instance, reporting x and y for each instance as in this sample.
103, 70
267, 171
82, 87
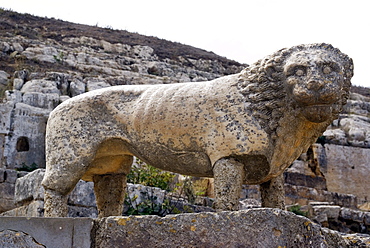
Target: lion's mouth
317, 113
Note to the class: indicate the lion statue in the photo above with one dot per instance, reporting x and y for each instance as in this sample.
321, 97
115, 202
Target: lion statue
243, 128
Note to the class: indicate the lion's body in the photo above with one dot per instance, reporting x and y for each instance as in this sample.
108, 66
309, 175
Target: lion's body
195, 129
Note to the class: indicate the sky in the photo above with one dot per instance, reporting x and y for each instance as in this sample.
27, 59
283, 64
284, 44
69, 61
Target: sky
242, 30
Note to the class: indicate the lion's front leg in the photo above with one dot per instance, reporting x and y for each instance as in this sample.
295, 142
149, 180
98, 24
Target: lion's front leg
229, 176
55, 204
273, 193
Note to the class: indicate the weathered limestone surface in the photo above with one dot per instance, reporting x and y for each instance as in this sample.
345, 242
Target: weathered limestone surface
14, 239
352, 127
48, 232
352, 177
338, 218
247, 228
7, 188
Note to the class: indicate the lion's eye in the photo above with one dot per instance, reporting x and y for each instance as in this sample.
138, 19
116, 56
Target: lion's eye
299, 72
296, 70
327, 69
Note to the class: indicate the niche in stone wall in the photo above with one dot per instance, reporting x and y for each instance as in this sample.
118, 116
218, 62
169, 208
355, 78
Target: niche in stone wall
22, 144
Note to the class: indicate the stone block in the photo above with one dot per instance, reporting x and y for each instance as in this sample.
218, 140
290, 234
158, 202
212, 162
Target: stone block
4, 78
91, 85
41, 100
7, 190
78, 211
29, 187
77, 88
367, 218
53, 232
324, 213
2, 175
17, 83
33, 209
6, 204
305, 180
353, 215
347, 177
331, 211
10, 176
83, 195
139, 193
343, 200
247, 228
6, 111
9, 238
41, 86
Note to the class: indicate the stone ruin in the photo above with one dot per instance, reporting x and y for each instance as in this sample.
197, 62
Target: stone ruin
347, 136
245, 128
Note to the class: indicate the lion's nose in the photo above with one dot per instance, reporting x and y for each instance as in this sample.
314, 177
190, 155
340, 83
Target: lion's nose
315, 84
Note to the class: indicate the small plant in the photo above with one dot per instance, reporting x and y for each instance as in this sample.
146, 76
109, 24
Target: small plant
148, 175
297, 210
321, 140
28, 168
60, 57
147, 207
175, 194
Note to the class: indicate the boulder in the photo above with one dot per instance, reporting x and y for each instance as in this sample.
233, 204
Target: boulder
41, 86
4, 78
29, 187
77, 88
92, 85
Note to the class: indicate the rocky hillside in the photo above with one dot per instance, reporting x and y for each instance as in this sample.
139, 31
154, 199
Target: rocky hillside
41, 45
46, 61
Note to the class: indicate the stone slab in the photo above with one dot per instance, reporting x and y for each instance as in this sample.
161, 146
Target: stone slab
247, 228
52, 232
29, 187
347, 170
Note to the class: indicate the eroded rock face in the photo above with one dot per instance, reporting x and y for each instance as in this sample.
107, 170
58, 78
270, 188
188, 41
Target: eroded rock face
10, 238
248, 228
353, 125
254, 124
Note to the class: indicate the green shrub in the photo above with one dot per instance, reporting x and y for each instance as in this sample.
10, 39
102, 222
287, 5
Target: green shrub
27, 168
297, 210
150, 176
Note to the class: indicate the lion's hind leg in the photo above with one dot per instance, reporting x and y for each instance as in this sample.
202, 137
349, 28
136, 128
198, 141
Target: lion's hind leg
110, 188
55, 204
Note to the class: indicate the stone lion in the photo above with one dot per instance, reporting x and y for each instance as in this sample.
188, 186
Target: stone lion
243, 128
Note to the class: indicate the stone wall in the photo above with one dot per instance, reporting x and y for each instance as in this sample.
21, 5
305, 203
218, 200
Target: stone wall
338, 218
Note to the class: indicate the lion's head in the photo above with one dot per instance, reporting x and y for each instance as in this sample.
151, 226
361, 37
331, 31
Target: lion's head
311, 80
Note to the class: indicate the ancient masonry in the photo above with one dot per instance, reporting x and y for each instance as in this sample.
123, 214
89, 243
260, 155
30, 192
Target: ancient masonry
335, 170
